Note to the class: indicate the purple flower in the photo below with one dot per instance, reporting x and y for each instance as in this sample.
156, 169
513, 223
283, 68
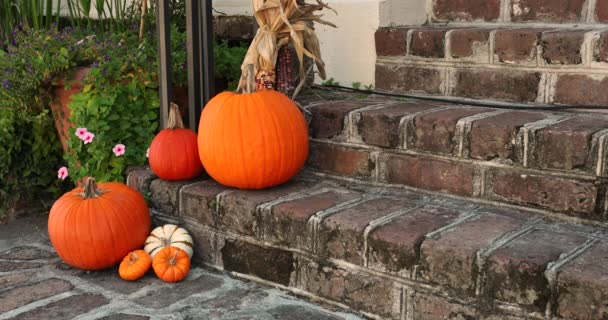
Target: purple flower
107, 58
95, 64
6, 84
184, 66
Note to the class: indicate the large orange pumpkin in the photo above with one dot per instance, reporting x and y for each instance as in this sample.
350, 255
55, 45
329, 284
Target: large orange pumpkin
94, 227
252, 140
174, 151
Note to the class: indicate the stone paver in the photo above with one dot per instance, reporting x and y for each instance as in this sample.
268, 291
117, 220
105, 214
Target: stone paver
23, 295
36, 284
65, 309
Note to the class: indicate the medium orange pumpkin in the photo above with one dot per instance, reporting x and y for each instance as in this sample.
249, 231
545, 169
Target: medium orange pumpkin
174, 151
94, 227
171, 264
252, 140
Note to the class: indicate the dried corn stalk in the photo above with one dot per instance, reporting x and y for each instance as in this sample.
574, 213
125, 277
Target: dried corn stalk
282, 22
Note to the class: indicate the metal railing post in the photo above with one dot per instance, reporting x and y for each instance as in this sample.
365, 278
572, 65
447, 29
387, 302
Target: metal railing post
207, 50
164, 58
195, 70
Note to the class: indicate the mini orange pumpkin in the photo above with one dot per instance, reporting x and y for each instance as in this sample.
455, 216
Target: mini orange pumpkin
135, 265
174, 151
171, 264
94, 227
252, 140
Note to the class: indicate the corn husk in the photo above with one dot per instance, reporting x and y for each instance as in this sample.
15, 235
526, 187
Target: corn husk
282, 22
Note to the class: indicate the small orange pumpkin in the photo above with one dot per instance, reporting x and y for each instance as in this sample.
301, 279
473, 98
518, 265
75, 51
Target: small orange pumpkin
135, 265
252, 140
94, 227
171, 264
174, 151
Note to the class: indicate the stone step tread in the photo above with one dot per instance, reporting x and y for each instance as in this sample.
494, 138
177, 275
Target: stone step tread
463, 249
471, 151
565, 140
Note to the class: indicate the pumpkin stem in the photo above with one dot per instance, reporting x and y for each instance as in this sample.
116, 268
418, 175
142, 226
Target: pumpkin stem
90, 189
133, 258
175, 118
172, 260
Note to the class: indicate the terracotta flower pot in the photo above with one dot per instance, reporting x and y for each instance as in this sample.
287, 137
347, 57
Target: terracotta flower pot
59, 106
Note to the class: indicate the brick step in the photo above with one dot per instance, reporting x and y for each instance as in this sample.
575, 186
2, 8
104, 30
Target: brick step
554, 162
519, 11
390, 253
521, 64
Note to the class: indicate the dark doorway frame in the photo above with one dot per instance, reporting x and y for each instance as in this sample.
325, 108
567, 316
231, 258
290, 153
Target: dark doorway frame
199, 30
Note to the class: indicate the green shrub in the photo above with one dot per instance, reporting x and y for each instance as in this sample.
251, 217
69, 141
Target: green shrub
119, 104
29, 158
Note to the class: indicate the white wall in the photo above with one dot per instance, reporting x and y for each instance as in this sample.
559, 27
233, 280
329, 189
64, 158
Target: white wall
348, 51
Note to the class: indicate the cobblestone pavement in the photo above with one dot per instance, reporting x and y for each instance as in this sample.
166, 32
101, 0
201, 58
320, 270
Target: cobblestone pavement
36, 284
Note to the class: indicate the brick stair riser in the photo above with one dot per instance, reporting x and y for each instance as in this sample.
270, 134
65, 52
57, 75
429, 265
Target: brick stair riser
518, 11
550, 162
513, 63
400, 255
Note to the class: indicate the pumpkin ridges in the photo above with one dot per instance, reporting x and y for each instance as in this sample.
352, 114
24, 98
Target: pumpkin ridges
266, 135
285, 149
298, 135
210, 113
241, 131
114, 244
124, 229
94, 223
62, 210
81, 235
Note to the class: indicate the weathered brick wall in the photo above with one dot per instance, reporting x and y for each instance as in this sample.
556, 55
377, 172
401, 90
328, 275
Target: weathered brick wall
543, 51
550, 161
390, 254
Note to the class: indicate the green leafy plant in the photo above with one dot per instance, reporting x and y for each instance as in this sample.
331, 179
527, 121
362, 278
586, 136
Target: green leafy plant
29, 158
112, 15
119, 104
330, 82
228, 60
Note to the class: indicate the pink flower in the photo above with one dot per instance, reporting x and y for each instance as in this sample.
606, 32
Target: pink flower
79, 42
148, 153
88, 137
62, 173
119, 149
80, 133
